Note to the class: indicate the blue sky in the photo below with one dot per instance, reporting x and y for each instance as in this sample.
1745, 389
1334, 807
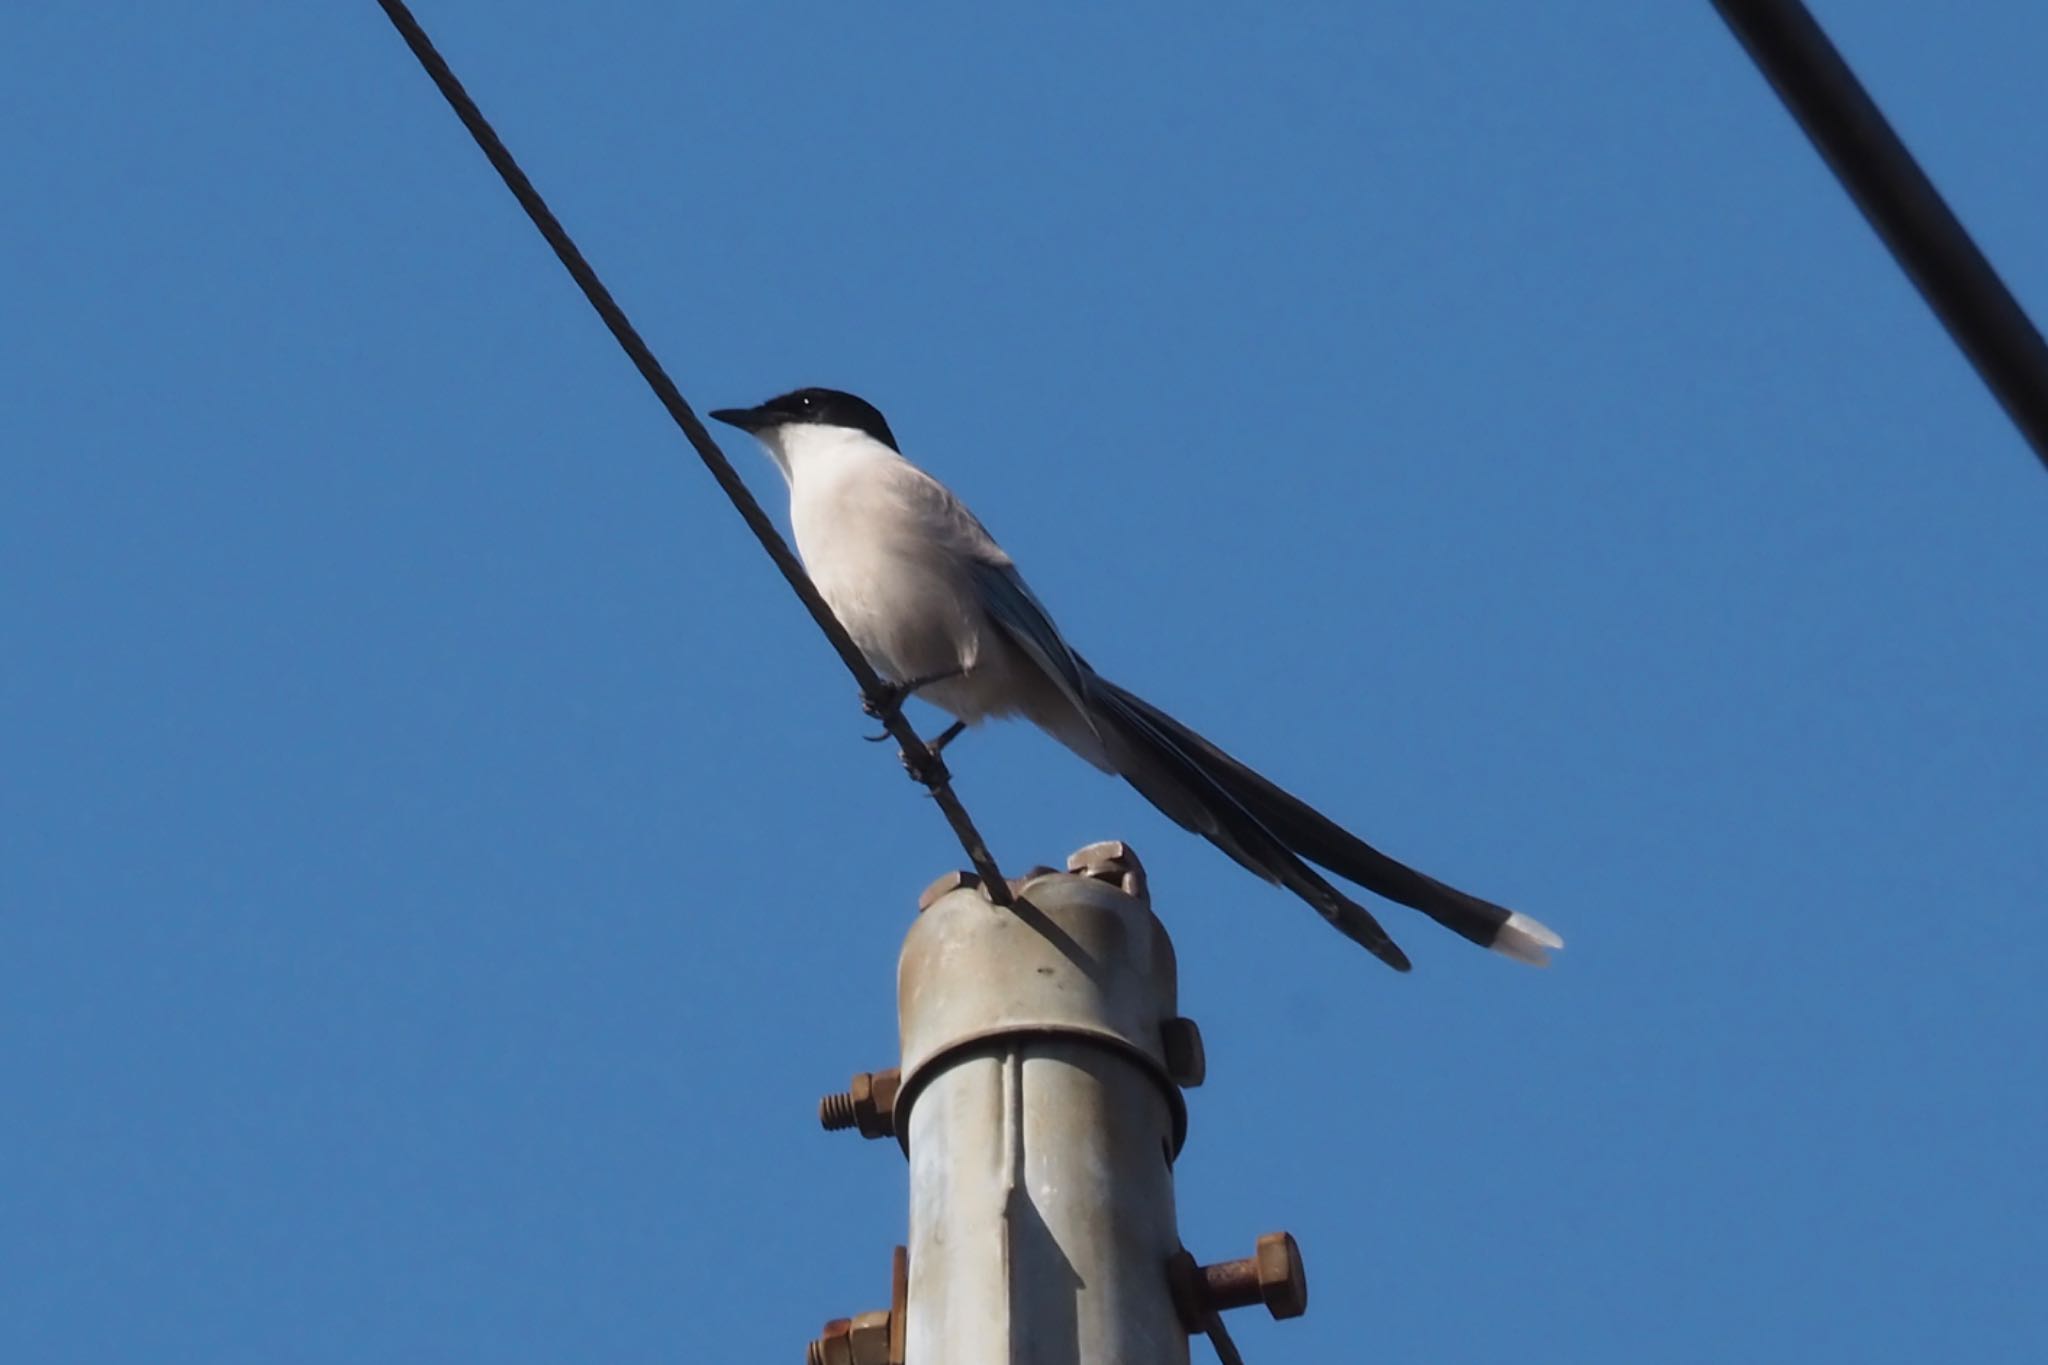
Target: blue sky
438, 865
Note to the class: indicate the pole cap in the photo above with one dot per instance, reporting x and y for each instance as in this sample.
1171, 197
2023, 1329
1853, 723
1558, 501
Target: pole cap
1077, 955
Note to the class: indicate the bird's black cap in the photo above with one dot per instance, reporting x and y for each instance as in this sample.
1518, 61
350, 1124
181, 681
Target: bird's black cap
817, 407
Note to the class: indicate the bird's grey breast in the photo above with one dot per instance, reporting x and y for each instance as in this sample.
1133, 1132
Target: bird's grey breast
885, 545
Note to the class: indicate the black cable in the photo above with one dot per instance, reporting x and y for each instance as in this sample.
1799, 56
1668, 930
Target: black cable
1932, 247
922, 762
1219, 1337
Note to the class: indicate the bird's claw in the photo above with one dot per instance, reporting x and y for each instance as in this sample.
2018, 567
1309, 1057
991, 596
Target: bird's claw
929, 770
889, 699
886, 704
881, 707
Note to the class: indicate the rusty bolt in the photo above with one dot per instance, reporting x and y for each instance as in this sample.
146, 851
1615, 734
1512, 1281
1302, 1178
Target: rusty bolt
870, 1339
944, 886
874, 1338
834, 1345
1111, 861
863, 1340
1272, 1275
1186, 1063
867, 1104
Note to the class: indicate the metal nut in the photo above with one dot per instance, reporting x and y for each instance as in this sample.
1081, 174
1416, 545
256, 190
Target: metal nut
1283, 1279
1111, 861
874, 1338
869, 1339
1187, 1064
834, 1345
868, 1104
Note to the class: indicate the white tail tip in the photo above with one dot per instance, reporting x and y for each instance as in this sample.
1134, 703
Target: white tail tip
1526, 940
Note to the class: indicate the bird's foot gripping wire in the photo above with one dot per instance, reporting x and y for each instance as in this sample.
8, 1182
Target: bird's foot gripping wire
933, 773
929, 770
936, 744
893, 694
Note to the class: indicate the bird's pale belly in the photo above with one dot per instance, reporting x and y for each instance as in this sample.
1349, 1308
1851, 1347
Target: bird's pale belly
911, 626
909, 604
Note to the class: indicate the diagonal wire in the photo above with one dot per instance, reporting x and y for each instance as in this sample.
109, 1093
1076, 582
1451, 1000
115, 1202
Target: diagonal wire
1929, 243
1219, 1337
924, 765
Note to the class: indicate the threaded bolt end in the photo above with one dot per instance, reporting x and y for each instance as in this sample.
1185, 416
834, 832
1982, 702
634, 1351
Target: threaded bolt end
835, 1112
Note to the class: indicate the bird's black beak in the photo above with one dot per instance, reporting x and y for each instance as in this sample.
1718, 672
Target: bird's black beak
746, 419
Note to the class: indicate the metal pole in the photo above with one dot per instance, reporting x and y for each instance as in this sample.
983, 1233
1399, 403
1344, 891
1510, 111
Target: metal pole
1039, 1101
1041, 1115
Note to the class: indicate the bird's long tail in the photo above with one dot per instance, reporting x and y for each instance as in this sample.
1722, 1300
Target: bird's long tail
1271, 832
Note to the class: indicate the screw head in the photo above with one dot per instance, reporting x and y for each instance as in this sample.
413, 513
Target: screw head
1283, 1279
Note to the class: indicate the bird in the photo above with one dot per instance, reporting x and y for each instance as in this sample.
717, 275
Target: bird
942, 613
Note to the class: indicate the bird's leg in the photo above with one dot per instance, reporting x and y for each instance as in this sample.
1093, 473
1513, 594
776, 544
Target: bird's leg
935, 744
936, 772
893, 695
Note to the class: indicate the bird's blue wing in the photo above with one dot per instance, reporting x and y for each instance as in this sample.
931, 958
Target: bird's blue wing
1023, 618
